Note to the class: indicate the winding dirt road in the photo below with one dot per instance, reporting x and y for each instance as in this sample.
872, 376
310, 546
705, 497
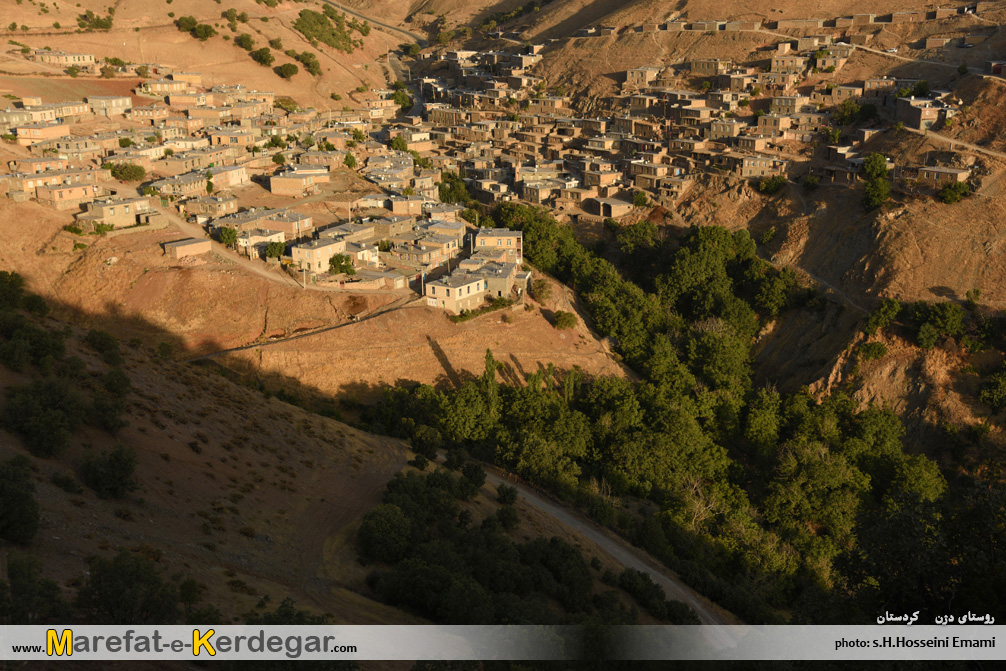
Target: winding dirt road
621, 551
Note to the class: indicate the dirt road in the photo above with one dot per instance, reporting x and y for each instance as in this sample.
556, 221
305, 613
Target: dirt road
414, 37
621, 551
196, 231
394, 305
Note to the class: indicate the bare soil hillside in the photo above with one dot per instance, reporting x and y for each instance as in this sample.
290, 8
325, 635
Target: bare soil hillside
243, 493
143, 32
420, 344
126, 282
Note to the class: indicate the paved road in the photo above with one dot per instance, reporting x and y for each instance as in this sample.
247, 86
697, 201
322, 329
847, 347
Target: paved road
621, 551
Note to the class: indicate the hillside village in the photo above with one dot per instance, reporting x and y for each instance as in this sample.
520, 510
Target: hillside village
176, 149
567, 311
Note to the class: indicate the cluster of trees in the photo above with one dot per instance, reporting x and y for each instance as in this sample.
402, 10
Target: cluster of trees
308, 59
849, 112
91, 21
763, 496
331, 28
189, 24
490, 23
48, 410
771, 185
125, 588
437, 562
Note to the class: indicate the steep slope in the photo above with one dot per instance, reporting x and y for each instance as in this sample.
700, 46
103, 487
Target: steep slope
249, 496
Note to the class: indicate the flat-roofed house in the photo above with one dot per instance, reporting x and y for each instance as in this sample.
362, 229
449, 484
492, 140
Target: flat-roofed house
33, 133
457, 292
503, 238
316, 254
179, 249
109, 105
298, 180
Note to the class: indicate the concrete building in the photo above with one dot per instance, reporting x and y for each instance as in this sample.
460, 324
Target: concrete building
179, 249
316, 254
503, 238
456, 292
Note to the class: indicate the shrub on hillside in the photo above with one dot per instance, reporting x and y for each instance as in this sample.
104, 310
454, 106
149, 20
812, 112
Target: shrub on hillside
954, 192
771, 185
110, 475
126, 589
45, 412
106, 344
19, 514
564, 320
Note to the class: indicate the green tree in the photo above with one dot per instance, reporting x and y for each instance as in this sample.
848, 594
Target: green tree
384, 534
876, 193
288, 70
398, 143
927, 336
341, 264
874, 167
848, 112
993, 392
19, 515
278, 159
883, 316
203, 32
127, 589
245, 41
274, 250
349, 161
954, 192
564, 320
227, 236
640, 199
129, 172
263, 56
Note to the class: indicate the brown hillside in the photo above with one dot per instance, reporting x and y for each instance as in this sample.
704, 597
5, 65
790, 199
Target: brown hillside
233, 487
420, 344
144, 33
